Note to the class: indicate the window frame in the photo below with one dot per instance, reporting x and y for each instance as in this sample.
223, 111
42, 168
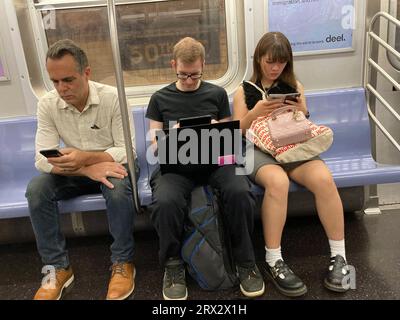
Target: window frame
392, 34
36, 10
3, 63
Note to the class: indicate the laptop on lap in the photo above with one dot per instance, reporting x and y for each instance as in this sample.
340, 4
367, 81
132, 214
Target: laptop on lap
198, 148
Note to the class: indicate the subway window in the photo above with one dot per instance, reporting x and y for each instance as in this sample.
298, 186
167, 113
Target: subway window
147, 32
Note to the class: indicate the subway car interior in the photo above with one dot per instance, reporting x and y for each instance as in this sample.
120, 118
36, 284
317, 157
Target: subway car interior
346, 55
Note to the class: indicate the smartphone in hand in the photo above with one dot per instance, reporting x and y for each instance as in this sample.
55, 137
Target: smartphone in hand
284, 96
52, 153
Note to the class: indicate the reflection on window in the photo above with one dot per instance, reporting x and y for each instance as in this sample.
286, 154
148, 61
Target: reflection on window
147, 33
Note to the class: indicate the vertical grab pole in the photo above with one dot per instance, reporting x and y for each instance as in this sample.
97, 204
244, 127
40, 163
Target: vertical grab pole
371, 205
112, 22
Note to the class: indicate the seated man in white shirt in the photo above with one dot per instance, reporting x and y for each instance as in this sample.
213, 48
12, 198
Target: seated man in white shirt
85, 115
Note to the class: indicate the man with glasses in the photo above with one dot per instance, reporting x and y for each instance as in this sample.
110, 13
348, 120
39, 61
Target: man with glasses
188, 97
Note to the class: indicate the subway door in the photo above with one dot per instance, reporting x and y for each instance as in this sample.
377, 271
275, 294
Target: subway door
389, 195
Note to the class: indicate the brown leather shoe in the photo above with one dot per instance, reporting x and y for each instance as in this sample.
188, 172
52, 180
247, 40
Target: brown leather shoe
122, 282
54, 284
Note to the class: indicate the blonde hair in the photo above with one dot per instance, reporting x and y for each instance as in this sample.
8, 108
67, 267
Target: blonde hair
278, 48
189, 50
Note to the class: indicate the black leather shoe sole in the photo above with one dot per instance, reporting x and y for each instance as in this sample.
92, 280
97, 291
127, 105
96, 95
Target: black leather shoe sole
287, 292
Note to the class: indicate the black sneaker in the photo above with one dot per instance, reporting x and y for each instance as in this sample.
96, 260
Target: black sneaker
338, 278
251, 281
285, 280
174, 282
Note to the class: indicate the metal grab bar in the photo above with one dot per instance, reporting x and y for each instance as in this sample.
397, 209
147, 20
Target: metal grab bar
112, 21
369, 64
377, 122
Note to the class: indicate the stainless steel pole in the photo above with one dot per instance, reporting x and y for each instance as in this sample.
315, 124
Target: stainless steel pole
112, 22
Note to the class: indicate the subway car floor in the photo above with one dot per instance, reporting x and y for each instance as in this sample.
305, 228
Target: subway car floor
372, 244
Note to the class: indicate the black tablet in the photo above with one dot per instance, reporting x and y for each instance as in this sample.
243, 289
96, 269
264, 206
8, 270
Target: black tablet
194, 121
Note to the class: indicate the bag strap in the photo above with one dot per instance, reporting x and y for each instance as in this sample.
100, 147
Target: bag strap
281, 110
278, 111
264, 96
297, 115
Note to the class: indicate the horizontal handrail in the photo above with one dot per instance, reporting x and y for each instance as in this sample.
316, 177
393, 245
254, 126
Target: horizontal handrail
385, 44
384, 73
385, 15
375, 119
384, 102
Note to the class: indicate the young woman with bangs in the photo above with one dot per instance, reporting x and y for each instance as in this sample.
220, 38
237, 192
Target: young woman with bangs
273, 71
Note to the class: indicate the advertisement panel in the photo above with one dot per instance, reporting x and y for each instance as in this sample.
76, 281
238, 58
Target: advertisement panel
314, 25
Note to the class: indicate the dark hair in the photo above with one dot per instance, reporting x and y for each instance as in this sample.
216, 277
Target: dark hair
63, 47
277, 47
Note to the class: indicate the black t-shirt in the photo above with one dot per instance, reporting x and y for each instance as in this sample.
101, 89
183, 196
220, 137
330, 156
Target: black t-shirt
252, 95
170, 104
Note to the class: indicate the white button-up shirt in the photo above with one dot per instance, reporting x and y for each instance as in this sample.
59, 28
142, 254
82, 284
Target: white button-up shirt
97, 128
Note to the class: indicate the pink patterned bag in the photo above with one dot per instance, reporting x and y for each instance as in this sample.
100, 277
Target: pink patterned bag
288, 126
321, 139
288, 135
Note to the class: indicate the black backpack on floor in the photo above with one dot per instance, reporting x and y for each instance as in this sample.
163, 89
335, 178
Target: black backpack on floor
206, 250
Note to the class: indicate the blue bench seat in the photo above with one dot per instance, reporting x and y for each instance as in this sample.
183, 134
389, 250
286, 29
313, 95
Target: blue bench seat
349, 158
17, 143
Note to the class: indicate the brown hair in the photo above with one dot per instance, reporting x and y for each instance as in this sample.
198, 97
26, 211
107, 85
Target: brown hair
277, 47
189, 50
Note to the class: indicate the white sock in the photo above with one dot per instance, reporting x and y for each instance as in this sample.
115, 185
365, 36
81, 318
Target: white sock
272, 256
337, 247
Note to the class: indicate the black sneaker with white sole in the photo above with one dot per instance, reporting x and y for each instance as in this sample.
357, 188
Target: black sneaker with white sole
284, 279
251, 281
338, 277
174, 282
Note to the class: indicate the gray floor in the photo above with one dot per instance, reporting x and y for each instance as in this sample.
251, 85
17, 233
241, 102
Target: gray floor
373, 248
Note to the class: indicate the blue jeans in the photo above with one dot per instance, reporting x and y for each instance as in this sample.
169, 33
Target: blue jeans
45, 190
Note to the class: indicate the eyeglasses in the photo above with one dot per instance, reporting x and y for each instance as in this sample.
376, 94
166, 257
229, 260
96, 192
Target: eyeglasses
191, 76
